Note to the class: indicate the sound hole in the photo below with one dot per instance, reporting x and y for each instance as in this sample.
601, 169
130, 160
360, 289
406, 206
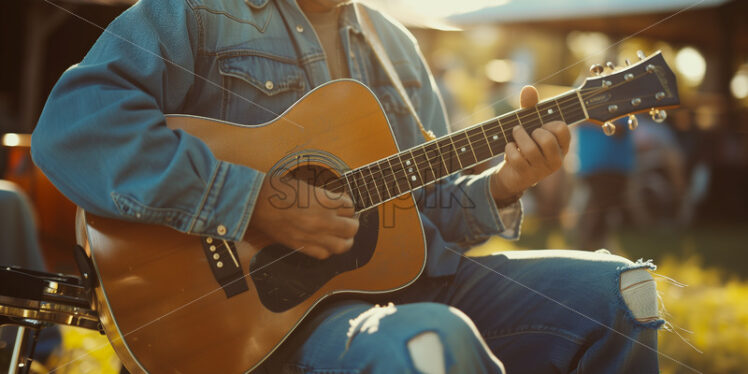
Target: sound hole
284, 279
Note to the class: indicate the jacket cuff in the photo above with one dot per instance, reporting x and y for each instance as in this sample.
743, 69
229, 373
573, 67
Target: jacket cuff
228, 203
483, 216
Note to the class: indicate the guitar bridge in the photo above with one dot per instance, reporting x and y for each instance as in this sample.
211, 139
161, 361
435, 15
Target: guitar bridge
223, 260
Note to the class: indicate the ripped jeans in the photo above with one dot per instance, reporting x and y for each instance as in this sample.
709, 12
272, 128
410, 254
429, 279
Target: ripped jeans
517, 312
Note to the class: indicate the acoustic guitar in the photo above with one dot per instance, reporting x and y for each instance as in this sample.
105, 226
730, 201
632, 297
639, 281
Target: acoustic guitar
176, 303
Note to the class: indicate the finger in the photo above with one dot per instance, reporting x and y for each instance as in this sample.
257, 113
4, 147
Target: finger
527, 147
315, 251
343, 227
514, 158
561, 131
347, 209
332, 244
549, 147
528, 97
332, 200
341, 246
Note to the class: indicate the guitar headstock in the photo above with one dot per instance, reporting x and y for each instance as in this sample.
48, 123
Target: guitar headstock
646, 86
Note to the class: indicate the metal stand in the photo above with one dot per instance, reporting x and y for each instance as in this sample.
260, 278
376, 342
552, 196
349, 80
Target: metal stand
21, 358
15, 358
34, 300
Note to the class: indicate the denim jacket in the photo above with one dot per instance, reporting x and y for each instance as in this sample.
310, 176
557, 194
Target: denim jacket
103, 142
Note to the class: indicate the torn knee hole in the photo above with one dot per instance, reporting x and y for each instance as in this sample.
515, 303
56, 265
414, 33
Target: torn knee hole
427, 352
640, 294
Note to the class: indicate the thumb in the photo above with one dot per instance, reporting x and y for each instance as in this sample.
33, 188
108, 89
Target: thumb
528, 97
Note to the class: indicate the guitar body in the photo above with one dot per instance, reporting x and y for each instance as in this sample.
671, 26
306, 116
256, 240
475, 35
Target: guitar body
168, 307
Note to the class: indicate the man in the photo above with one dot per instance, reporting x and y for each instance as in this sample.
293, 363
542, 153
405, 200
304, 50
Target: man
103, 142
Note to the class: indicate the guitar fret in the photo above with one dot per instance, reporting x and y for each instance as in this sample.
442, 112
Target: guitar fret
411, 171
358, 179
471, 144
461, 144
496, 143
400, 175
488, 142
540, 118
382, 181
476, 138
529, 123
423, 165
560, 112
446, 148
548, 113
436, 161
353, 192
574, 111
394, 178
498, 120
374, 184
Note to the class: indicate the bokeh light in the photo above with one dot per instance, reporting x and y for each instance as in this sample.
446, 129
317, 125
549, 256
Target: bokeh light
500, 70
739, 83
691, 64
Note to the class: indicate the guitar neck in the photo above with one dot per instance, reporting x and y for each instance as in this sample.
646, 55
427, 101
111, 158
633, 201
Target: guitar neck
404, 172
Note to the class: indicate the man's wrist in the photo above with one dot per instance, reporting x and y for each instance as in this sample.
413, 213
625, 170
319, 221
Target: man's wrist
502, 195
507, 201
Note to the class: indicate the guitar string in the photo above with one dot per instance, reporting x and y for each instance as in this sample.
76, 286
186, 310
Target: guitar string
529, 116
389, 174
385, 179
472, 144
490, 125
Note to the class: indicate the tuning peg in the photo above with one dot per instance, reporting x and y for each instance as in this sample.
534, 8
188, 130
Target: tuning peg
658, 115
627, 62
633, 122
641, 55
609, 128
596, 69
610, 65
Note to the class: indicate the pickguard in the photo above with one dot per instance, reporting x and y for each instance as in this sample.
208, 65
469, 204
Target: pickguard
284, 278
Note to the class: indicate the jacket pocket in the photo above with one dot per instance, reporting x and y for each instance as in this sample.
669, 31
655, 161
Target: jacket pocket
258, 88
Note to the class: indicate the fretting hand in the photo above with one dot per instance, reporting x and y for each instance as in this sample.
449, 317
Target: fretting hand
531, 157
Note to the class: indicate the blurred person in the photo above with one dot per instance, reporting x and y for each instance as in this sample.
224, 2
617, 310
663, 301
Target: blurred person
605, 164
658, 184
103, 142
696, 145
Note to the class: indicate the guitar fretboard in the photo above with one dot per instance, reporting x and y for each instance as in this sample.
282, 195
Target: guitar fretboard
388, 178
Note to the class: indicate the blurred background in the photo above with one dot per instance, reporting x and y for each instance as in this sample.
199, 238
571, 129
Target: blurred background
673, 192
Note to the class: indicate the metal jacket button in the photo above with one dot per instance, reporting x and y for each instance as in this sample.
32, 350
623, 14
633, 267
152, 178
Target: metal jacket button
221, 229
269, 85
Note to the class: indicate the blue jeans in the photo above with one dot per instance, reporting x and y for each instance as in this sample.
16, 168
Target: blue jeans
536, 311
